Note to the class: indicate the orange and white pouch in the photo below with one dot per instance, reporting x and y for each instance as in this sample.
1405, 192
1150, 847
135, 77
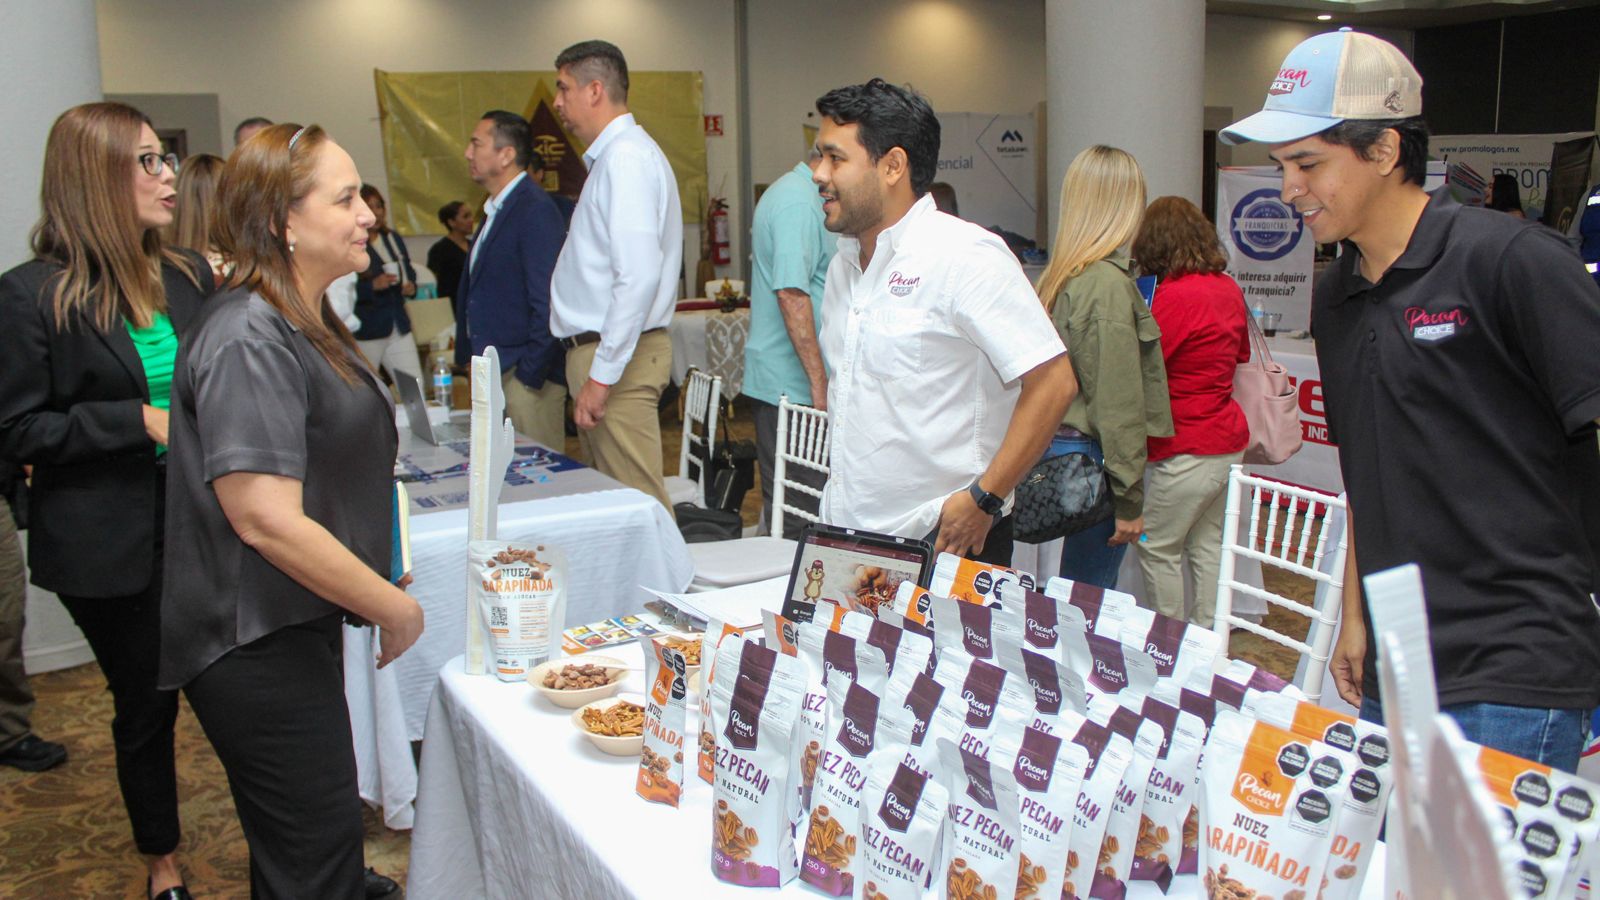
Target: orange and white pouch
660, 777
710, 640
1269, 807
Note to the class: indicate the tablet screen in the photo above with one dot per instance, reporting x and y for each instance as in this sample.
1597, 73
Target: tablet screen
855, 571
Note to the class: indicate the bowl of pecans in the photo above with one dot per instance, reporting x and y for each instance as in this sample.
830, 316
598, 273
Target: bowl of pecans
572, 681
615, 725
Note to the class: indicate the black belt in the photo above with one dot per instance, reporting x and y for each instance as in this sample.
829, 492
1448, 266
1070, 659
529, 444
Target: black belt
593, 337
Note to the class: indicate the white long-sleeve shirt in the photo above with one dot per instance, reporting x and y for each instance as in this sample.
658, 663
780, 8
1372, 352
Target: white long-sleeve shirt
618, 271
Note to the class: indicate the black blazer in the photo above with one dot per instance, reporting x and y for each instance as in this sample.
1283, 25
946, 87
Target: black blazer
383, 312
72, 405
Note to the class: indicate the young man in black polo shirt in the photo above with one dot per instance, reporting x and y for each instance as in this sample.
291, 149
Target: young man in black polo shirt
1457, 350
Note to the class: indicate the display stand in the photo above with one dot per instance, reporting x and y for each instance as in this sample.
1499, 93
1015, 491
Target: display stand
490, 448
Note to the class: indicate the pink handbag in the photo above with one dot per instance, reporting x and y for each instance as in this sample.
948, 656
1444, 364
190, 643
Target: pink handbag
1262, 389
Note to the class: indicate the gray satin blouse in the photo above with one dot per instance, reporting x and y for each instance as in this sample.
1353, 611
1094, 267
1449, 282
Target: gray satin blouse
251, 394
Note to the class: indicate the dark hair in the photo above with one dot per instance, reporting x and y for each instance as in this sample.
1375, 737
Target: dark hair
511, 130
600, 61
944, 197
448, 212
251, 122
1506, 195
889, 116
369, 191
1361, 134
537, 162
1175, 238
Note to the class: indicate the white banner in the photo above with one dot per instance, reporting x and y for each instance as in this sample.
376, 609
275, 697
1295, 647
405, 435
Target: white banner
990, 161
1270, 251
1474, 160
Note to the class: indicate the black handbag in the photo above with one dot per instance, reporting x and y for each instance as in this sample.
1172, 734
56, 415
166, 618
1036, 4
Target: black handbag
700, 525
1059, 497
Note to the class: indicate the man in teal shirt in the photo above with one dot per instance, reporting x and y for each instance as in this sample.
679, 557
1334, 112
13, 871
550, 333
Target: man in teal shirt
792, 250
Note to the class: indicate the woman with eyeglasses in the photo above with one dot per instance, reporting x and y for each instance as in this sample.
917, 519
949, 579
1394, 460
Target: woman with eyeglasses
91, 330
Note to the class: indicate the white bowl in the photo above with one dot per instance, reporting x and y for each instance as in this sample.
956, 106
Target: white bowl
572, 698
616, 746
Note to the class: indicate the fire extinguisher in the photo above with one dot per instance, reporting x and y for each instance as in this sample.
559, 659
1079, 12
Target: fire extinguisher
719, 233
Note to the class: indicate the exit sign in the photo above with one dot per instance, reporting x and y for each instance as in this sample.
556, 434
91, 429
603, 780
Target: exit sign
713, 126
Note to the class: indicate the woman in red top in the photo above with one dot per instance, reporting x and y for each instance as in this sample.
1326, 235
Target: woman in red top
1202, 317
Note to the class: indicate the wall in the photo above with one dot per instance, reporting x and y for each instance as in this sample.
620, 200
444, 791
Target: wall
312, 60
197, 114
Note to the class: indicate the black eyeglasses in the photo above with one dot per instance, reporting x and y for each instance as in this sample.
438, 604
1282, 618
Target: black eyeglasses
152, 162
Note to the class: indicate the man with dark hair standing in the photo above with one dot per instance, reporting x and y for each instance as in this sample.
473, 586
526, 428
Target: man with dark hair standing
243, 130
948, 379
616, 282
504, 297
1462, 387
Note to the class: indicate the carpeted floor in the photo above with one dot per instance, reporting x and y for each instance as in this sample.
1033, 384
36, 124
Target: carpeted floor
63, 833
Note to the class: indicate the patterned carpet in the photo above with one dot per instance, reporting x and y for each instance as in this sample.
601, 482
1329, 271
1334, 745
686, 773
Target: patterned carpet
65, 832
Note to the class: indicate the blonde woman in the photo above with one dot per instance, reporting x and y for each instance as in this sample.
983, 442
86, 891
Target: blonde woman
194, 221
91, 333
1115, 348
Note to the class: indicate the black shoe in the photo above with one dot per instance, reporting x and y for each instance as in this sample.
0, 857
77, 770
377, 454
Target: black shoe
181, 892
380, 885
33, 754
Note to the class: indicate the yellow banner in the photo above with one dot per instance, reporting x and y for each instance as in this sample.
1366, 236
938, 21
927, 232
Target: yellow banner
426, 118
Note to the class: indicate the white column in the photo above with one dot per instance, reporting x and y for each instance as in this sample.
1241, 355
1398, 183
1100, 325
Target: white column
51, 62
1131, 74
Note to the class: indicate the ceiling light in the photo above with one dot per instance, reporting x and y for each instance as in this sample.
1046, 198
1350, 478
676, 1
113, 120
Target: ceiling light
1324, 17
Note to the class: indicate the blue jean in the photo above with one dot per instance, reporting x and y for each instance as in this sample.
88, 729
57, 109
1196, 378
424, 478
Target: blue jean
1555, 737
1085, 556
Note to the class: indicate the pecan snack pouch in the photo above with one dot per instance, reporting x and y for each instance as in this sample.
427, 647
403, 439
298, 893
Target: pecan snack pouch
1176, 647
1092, 600
1542, 808
1043, 616
981, 852
755, 791
1057, 690
979, 701
902, 822
923, 629
971, 628
1370, 782
828, 862
1107, 665
913, 603
1269, 804
901, 648
1575, 800
971, 581
710, 640
1110, 882
1169, 791
1110, 754
828, 656
1049, 770
521, 589
665, 710
911, 714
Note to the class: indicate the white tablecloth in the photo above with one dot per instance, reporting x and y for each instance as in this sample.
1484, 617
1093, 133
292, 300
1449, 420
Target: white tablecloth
618, 541
1317, 463
515, 803
712, 341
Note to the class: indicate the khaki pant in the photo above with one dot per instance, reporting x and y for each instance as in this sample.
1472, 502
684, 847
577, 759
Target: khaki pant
627, 443
539, 413
16, 696
1183, 503
396, 353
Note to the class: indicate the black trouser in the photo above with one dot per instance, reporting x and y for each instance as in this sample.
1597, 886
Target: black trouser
766, 416
274, 709
996, 547
125, 635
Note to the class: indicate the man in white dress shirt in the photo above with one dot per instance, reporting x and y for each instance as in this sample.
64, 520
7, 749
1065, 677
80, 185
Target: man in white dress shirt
948, 378
616, 282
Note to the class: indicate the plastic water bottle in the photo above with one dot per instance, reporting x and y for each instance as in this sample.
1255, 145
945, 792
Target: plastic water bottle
1258, 311
441, 380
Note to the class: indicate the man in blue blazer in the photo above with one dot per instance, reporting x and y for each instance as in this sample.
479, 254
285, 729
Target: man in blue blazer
504, 298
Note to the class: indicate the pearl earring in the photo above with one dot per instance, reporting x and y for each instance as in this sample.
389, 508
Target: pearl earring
291, 246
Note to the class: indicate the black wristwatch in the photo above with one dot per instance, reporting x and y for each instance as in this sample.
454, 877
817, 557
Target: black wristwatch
989, 503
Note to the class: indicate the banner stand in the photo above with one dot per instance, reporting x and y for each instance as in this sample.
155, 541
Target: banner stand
490, 448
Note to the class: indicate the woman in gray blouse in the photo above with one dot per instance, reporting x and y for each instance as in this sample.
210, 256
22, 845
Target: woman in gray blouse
282, 454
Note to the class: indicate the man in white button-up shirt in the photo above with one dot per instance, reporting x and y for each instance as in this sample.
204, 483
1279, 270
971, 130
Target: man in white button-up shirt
616, 282
948, 378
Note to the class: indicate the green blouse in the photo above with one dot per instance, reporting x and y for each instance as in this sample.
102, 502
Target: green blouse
158, 352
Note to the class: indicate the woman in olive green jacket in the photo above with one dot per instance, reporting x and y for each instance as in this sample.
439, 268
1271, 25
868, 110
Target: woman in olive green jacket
1115, 348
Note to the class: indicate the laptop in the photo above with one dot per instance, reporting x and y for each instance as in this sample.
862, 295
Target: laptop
411, 397
854, 569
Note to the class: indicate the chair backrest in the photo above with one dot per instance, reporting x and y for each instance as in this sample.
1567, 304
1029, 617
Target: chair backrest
1315, 549
702, 397
802, 440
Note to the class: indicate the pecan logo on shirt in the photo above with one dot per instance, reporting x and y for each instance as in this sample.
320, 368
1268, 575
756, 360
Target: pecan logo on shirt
1435, 326
902, 285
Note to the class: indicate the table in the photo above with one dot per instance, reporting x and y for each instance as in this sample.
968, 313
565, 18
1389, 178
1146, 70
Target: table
1317, 463
514, 802
618, 541
712, 341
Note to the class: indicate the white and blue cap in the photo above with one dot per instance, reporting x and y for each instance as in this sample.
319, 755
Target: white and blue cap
1328, 79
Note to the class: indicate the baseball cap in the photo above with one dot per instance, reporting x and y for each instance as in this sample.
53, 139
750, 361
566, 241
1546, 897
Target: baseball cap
1327, 79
